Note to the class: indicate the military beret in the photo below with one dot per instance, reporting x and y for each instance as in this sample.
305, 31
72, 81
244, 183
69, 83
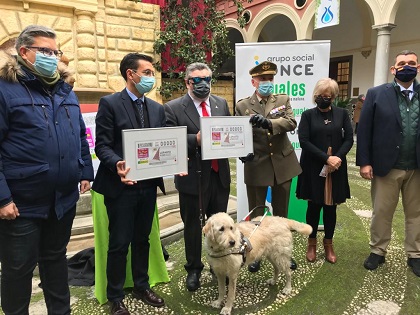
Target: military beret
265, 67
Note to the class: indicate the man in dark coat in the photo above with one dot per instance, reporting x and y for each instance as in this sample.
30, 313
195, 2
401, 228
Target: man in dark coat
388, 153
44, 156
215, 174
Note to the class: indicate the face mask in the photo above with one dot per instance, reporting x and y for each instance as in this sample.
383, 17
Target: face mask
201, 90
322, 103
45, 65
265, 88
145, 84
406, 73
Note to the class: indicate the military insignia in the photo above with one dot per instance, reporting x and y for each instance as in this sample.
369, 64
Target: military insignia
265, 67
247, 111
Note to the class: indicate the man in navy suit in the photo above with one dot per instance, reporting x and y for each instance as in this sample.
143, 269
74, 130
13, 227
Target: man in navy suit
130, 204
215, 174
388, 153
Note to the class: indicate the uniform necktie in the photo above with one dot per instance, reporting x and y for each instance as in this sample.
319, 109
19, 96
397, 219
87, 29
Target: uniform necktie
140, 106
214, 163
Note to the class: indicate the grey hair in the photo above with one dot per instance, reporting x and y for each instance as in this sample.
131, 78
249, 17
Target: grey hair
27, 36
196, 66
326, 85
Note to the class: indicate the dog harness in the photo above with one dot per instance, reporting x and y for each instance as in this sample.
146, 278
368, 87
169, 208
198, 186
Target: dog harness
241, 250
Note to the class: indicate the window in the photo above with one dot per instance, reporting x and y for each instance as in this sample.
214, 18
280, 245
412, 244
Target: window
300, 3
340, 70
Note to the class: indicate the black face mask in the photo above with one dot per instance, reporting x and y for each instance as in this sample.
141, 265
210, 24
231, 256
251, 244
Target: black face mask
323, 102
406, 73
201, 89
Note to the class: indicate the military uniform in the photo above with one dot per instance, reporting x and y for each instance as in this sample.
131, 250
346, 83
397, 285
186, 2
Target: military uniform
275, 162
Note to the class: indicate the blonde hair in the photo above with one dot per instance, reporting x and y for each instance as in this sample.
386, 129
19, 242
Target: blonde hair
325, 85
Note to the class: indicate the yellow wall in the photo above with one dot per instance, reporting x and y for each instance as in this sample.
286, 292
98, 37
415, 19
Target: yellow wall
95, 35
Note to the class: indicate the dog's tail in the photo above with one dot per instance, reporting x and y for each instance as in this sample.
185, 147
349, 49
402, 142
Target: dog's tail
302, 228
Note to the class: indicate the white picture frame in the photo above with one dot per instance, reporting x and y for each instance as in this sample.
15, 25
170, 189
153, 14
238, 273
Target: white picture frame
155, 152
225, 137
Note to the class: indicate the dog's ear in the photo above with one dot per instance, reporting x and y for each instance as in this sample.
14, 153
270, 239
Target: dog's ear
208, 230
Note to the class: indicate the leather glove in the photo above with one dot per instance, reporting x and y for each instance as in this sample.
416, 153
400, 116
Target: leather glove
247, 158
260, 122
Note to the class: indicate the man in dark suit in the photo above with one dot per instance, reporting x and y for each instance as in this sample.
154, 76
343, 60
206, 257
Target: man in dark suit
130, 204
388, 153
215, 174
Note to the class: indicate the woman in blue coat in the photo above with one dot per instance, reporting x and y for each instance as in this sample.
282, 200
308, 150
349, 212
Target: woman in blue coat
321, 128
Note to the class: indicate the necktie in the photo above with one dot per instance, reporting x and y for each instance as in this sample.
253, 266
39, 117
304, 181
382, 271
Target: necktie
406, 94
214, 163
140, 106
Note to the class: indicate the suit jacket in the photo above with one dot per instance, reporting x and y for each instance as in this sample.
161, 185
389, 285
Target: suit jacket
274, 156
116, 112
379, 134
182, 112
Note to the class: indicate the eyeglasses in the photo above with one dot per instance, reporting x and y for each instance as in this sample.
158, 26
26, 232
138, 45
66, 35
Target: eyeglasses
46, 51
146, 73
198, 79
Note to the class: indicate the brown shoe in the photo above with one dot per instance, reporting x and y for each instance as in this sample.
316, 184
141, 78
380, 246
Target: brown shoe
149, 297
311, 251
329, 251
118, 308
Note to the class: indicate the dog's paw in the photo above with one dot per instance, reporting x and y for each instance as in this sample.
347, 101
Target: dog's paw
286, 291
271, 281
216, 304
225, 311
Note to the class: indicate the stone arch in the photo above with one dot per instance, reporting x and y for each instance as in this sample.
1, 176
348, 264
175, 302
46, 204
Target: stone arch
384, 11
264, 16
233, 23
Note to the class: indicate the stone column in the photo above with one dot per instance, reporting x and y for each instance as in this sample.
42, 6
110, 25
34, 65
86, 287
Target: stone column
85, 59
382, 53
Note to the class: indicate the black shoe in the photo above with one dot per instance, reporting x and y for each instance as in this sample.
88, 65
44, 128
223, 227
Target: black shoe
118, 308
373, 261
149, 297
414, 263
193, 281
293, 264
255, 266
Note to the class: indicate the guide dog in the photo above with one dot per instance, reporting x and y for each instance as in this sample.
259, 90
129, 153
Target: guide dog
231, 245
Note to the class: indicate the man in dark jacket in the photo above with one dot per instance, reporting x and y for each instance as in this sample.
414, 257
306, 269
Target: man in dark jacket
44, 156
215, 174
388, 153
130, 204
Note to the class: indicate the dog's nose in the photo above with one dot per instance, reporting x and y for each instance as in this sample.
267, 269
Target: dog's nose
232, 243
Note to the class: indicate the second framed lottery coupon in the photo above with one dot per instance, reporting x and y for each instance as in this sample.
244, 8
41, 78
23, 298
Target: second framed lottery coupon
225, 137
155, 152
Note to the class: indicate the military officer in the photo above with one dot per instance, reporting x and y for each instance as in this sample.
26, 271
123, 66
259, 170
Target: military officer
274, 162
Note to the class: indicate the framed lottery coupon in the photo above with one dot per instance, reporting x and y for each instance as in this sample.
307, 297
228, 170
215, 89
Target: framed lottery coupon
225, 137
155, 152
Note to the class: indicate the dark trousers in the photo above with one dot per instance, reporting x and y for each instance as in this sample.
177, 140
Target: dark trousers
130, 222
24, 243
280, 195
215, 199
329, 217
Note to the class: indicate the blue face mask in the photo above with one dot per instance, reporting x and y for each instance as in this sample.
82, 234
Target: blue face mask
45, 65
145, 84
265, 88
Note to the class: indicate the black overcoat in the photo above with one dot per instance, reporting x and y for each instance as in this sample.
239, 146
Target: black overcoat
315, 136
